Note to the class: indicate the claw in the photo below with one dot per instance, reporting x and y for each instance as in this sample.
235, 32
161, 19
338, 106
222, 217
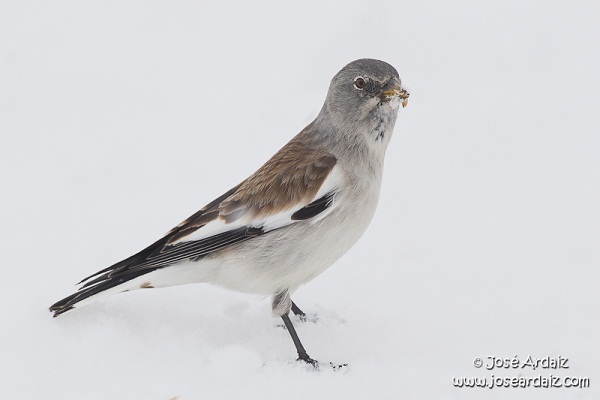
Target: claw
309, 361
317, 365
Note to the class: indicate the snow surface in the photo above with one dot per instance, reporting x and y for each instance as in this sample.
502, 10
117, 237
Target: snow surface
120, 119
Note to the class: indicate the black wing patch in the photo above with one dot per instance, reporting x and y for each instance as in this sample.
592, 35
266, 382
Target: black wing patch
172, 254
315, 208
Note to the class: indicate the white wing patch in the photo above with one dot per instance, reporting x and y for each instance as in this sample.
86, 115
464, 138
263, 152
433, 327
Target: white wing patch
334, 180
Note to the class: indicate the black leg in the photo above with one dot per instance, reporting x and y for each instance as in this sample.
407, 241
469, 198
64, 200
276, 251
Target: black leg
302, 354
298, 311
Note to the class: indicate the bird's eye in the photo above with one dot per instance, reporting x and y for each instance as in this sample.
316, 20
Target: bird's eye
359, 82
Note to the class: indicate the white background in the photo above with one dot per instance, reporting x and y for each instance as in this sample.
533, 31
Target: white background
119, 119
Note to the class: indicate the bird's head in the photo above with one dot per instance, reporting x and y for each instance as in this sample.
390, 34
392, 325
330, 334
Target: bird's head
365, 96
364, 85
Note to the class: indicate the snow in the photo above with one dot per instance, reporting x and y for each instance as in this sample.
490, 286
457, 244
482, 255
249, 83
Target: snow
120, 119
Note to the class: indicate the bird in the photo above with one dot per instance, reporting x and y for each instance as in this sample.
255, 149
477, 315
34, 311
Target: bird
287, 222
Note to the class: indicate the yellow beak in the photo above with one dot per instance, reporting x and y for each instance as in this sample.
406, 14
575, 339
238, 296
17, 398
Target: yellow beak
394, 89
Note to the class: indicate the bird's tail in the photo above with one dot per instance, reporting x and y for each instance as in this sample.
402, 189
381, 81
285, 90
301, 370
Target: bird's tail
125, 275
100, 290
142, 270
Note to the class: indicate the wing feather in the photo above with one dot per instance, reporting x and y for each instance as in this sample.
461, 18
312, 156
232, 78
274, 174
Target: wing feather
273, 197
299, 183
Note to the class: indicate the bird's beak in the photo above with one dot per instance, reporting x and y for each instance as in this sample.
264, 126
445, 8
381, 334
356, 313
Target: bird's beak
394, 90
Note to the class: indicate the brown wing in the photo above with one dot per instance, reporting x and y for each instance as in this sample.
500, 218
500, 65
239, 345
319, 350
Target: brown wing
292, 176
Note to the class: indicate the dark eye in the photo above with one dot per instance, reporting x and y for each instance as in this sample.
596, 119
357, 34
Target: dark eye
359, 82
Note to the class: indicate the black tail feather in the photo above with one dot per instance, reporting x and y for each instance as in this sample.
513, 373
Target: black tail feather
105, 279
69, 302
135, 259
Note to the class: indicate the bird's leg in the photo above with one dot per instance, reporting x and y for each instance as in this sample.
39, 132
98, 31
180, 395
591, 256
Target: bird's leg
297, 311
302, 354
281, 305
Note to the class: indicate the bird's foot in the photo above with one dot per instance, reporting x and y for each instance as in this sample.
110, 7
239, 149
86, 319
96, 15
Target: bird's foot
309, 361
314, 318
318, 365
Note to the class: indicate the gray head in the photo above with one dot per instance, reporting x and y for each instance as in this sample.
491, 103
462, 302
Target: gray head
364, 90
